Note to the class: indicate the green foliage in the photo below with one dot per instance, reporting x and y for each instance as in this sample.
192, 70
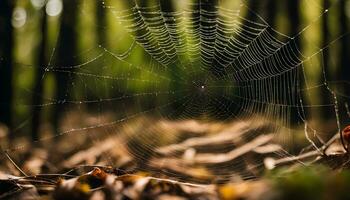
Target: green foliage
312, 182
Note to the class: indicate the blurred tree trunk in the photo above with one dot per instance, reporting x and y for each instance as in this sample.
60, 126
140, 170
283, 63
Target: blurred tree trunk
344, 45
344, 57
326, 65
38, 88
271, 9
66, 52
167, 6
294, 18
6, 62
293, 14
101, 24
101, 36
325, 36
253, 6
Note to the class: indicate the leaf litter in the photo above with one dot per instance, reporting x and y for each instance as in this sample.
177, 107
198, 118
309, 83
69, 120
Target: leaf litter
205, 154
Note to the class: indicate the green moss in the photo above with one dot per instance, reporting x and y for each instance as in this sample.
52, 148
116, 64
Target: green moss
314, 182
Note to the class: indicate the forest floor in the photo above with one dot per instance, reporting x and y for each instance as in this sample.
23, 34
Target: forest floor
146, 158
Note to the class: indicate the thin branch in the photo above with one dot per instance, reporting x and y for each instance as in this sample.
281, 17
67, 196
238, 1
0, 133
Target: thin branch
14, 164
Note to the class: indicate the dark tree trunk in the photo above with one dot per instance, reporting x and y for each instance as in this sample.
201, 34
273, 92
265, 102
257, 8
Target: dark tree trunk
344, 66
66, 52
253, 7
326, 65
101, 35
294, 18
271, 9
167, 6
6, 62
325, 36
38, 88
293, 14
101, 23
344, 45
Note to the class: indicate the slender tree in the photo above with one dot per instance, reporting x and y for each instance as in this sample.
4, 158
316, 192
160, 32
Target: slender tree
293, 13
101, 23
252, 12
325, 41
325, 34
294, 18
6, 61
271, 12
66, 50
344, 45
167, 6
38, 87
101, 39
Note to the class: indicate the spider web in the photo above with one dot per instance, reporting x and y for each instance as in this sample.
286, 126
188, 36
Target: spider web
206, 62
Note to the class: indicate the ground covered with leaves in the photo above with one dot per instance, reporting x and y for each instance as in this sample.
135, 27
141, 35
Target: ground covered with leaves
193, 160
301, 183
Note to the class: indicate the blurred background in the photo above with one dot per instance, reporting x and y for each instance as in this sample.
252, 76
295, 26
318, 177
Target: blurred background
44, 43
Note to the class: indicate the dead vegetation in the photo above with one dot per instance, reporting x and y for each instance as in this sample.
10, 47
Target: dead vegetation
157, 159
